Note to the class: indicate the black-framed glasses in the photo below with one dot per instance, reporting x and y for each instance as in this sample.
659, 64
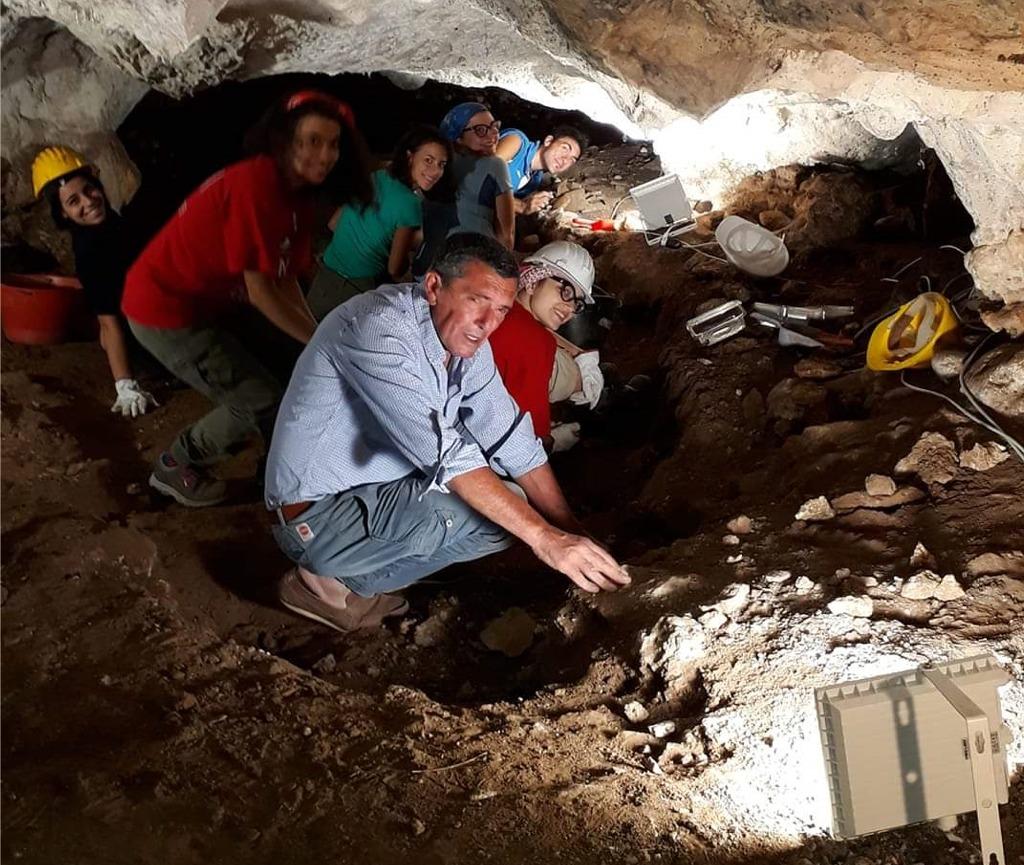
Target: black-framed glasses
569, 295
482, 130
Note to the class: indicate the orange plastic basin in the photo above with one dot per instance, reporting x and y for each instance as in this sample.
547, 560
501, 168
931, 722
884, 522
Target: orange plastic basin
41, 308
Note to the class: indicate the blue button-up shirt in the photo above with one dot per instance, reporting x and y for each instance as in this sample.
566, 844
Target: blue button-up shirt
372, 400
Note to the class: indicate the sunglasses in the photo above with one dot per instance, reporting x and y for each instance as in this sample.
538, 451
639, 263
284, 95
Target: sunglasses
569, 295
482, 130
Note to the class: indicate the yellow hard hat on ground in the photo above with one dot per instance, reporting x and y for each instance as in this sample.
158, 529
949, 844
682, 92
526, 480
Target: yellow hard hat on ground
53, 163
908, 338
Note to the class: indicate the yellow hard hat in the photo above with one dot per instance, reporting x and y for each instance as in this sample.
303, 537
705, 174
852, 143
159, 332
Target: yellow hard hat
52, 163
908, 338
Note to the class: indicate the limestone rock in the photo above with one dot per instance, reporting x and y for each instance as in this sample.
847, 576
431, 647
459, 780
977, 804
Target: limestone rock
932, 459
662, 729
819, 368
921, 586
879, 485
804, 585
1011, 563
947, 363
712, 620
635, 712
949, 589
740, 525
921, 558
861, 607
730, 540
902, 496
511, 633
984, 456
815, 510
671, 649
997, 379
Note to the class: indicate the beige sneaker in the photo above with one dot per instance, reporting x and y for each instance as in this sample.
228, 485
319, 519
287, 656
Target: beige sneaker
349, 612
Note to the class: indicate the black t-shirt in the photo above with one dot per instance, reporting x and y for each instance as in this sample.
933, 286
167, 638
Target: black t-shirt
103, 254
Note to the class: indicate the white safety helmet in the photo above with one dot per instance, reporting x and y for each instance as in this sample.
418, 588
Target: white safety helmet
569, 261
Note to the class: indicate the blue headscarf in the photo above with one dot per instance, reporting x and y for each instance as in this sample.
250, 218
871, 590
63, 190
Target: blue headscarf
454, 123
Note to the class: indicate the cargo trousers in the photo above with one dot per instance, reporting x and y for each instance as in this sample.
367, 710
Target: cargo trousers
215, 363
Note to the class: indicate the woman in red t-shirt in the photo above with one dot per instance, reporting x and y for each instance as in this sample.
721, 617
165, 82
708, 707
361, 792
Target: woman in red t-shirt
244, 236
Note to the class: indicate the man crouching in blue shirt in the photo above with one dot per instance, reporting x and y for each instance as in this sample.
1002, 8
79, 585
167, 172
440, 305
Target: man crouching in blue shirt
392, 443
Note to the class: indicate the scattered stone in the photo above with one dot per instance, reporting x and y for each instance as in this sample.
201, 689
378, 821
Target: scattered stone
735, 601
804, 585
634, 740
307, 731
662, 729
921, 558
879, 485
431, 631
670, 649
134, 489
859, 607
730, 540
902, 496
932, 459
793, 401
997, 379
418, 826
984, 456
1011, 563
740, 525
777, 577
920, 586
327, 664
635, 712
817, 368
947, 363
949, 589
734, 560
712, 620
653, 766
815, 510
511, 633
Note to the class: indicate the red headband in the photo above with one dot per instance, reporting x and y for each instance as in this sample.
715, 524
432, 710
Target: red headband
344, 112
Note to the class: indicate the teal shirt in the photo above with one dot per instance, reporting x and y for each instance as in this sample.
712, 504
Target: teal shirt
362, 238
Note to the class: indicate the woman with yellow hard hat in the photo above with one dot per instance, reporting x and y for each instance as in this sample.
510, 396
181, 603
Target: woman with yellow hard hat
103, 253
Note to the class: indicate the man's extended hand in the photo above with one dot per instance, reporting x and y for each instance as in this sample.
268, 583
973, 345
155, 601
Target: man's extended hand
582, 560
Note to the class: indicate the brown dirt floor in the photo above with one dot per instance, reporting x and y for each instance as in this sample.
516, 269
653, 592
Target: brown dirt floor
159, 707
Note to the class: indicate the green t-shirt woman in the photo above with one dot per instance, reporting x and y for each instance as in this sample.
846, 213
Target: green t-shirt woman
371, 244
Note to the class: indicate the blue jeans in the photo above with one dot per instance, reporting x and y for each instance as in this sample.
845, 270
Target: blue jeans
383, 537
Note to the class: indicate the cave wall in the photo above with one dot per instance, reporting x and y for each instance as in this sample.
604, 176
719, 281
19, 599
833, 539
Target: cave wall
724, 87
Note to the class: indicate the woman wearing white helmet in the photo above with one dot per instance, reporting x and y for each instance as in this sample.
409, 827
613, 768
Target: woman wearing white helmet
537, 366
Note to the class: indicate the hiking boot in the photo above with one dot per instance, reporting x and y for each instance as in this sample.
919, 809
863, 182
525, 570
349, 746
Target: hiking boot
186, 485
345, 612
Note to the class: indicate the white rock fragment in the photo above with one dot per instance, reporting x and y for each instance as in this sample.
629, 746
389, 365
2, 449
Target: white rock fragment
635, 712
984, 456
921, 558
949, 589
804, 585
671, 648
713, 620
920, 586
735, 601
734, 560
730, 540
879, 485
511, 633
859, 607
662, 729
777, 577
815, 510
740, 525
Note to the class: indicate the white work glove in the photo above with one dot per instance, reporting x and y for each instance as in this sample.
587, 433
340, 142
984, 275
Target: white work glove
593, 379
131, 400
564, 436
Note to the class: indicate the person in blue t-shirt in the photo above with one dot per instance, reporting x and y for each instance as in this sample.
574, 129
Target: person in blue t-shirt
528, 162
